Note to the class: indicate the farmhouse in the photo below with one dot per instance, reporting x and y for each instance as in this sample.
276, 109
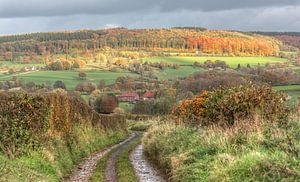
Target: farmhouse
129, 97
148, 95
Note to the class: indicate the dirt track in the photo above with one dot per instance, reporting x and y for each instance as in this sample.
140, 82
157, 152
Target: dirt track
85, 170
144, 171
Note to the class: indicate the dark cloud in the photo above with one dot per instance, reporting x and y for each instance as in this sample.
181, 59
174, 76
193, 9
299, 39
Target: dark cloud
24, 16
29, 8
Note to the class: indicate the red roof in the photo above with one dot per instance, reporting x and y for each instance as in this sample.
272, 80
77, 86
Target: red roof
149, 94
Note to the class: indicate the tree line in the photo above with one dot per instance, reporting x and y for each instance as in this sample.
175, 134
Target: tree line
177, 39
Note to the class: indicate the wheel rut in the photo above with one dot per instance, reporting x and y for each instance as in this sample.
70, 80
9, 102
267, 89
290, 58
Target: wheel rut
143, 169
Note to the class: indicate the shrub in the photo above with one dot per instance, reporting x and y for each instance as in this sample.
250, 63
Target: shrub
66, 65
76, 65
160, 106
59, 84
82, 75
59, 65
193, 109
106, 104
143, 107
244, 102
30, 86
86, 87
55, 66
226, 106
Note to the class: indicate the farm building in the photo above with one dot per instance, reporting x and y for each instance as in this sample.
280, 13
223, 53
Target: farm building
128, 97
148, 95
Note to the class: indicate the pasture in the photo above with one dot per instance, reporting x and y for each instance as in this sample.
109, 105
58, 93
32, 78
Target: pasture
70, 78
183, 71
292, 90
231, 61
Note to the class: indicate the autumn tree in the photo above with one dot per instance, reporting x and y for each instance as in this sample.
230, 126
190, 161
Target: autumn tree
86, 87
55, 66
76, 65
106, 104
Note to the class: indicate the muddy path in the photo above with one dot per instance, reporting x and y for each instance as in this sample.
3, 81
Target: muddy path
144, 171
85, 170
110, 171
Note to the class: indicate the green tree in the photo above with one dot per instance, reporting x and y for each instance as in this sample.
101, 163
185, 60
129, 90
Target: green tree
59, 84
82, 75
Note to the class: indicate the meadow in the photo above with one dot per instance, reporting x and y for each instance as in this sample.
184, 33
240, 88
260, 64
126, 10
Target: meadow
292, 90
70, 78
231, 61
183, 71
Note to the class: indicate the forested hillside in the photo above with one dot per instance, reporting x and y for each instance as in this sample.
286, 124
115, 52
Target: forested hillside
290, 38
175, 39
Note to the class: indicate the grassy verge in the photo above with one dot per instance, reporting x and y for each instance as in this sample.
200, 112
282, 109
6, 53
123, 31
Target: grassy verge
124, 168
57, 157
139, 125
242, 153
99, 173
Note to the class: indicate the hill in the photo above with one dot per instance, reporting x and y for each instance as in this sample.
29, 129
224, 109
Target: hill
289, 38
215, 42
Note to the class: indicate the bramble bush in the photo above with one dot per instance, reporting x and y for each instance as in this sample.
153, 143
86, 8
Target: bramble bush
225, 106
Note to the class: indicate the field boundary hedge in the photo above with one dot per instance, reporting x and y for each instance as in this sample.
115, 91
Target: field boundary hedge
29, 119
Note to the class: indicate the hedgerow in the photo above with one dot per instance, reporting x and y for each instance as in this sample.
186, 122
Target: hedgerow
28, 120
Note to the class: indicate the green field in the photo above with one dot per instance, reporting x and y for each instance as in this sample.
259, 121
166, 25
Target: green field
126, 106
292, 90
183, 71
231, 61
70, 78
10, 64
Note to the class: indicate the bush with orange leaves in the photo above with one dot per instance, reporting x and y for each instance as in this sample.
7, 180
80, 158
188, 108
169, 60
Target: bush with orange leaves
227, 106
192, 110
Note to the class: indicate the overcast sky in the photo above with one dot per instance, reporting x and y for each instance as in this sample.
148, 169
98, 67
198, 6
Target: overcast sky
24, 16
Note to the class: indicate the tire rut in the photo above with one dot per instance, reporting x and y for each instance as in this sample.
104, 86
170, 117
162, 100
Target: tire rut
143, 169
85, 170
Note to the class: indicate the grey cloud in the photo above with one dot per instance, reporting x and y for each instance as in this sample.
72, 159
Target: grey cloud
32, 8
27, 16
264, 19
